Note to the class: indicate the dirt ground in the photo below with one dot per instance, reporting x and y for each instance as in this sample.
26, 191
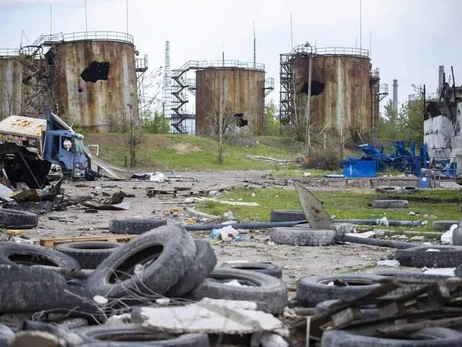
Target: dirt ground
296, 261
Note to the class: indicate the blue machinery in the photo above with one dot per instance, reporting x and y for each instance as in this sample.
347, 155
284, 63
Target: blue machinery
375, 160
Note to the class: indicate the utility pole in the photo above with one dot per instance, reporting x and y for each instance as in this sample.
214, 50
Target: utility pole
308, 105
220, 118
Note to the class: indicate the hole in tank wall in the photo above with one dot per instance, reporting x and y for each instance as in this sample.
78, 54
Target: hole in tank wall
96, 71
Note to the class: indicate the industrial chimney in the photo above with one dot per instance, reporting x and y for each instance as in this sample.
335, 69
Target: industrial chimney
395, 95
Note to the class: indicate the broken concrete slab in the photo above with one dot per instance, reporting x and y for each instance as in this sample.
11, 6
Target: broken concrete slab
210, 316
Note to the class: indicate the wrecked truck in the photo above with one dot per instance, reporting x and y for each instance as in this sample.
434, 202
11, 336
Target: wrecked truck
51, 139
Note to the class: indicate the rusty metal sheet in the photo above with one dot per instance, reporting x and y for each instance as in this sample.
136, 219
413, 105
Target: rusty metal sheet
23, 126
110, 170
313, 209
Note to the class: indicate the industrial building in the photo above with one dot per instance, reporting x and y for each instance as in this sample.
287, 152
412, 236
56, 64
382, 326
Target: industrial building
90, 77
345, 90
235, 89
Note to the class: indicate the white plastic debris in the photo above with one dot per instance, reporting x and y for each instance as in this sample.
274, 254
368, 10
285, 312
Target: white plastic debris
138, 269
432, 250
228, 215
446, 238
273, 340
228, 232
392, 263
119, 319
444, 271
252, 195
213, 193
163, 301
383, 221
158, 177
100, 300
234, 283
412, 213
306, 174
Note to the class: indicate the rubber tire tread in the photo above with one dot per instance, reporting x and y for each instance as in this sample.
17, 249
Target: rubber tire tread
88, 254
38, 253
449, 256
389, 190
93, 335
29, 289
270, 293
261, 267
432, 337
287, 216
134, 226
302, 237
314, 289
202, 266
177, 255
10, 218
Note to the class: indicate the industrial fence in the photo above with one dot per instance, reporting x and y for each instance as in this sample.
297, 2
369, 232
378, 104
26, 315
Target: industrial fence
8, 52
85, 35
350, 51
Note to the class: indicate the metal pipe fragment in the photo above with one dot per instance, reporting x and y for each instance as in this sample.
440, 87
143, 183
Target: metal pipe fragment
252, 225
375, 242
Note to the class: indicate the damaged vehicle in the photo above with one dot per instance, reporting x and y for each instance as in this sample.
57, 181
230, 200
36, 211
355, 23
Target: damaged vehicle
51, 139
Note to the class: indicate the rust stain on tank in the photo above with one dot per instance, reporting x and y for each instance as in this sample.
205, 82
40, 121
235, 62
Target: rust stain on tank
243, 93
106, 104
345, 103
11, 91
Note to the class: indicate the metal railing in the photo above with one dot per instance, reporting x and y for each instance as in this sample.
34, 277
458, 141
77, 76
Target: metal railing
356, 52
203, 64
85, 35
8, 52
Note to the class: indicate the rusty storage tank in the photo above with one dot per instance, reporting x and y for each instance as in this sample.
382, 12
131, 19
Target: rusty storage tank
341, 78
243, 88
94, 78
10, 83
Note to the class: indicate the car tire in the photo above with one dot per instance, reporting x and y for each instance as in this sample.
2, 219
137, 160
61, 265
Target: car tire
303, 237
134, 226
164, 254
267, 291
419, 256
88, 254
122, 335
315, 289
24, 254
17, 219
261, 267
202, 266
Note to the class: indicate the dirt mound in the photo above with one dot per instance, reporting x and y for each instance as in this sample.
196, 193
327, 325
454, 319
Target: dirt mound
186, 148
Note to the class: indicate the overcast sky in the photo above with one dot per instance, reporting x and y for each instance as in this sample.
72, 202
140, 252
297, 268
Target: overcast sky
410, 38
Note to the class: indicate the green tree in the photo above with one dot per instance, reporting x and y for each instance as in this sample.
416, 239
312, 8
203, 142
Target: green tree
156, 124
271, 119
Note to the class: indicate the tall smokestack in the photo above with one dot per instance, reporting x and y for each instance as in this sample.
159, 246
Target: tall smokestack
440, 76
395, 95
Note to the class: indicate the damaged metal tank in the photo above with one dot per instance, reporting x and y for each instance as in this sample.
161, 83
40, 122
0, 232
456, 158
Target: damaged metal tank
345, 91
93, 77
241, 86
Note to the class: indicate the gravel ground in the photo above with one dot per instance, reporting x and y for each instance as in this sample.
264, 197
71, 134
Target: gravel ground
296, 261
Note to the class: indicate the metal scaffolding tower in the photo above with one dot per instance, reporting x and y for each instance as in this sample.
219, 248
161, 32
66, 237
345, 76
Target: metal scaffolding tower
167, 84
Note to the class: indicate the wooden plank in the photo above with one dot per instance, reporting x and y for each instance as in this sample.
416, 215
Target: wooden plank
51, 242
399, 330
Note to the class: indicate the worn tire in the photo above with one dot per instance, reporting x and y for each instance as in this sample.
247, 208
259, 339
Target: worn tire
390, 203
23, 254
5, 333
26, 289
268, 292
202, 266
428, 337
261, 267
287, 216
410, 189
448, 256
315, 289
303, 237
443, 225
88, 254
17, 219
134, 226
387, 189
165, 253
121, 335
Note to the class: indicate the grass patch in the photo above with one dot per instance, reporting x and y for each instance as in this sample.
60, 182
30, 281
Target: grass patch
162, 151
430, 205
